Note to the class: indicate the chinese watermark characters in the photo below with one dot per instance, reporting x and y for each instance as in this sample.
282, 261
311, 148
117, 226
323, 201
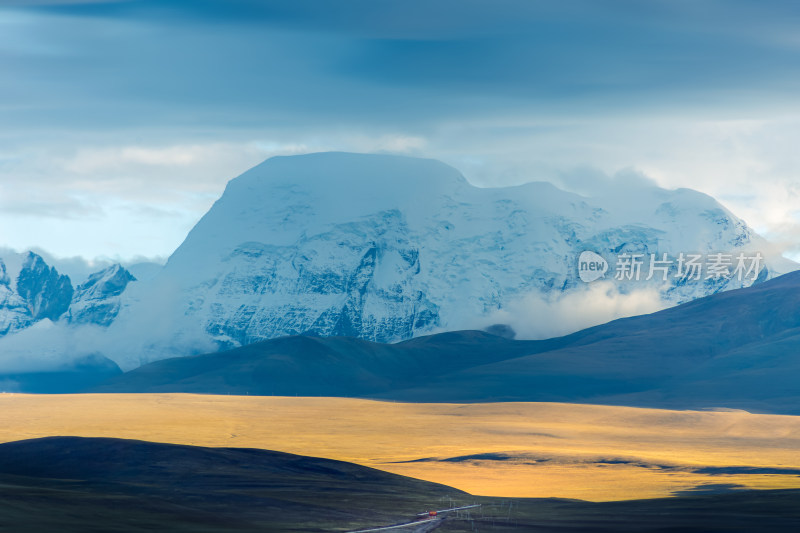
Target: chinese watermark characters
661, 267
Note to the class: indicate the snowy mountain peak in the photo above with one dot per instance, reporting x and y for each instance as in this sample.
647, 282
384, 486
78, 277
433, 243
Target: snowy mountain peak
46, 292
107, 282
97, 300
32, 291
285, 197
387, 247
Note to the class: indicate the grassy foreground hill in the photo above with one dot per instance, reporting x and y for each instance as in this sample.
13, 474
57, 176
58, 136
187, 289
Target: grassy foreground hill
91, 485
100, 484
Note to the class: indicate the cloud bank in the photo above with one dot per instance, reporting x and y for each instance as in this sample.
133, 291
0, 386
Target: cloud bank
113, 149
542, 316
151, 333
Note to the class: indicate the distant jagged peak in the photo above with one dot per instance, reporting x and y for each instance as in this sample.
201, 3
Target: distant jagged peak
46, 292
111, 281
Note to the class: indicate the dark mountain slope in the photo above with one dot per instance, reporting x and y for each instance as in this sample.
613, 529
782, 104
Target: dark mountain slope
320, 366
733, 349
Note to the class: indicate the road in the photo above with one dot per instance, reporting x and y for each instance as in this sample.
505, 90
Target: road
421, 524
418, 526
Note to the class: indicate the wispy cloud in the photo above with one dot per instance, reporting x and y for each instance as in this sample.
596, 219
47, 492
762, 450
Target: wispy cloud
62, 3
56, 207
541, 316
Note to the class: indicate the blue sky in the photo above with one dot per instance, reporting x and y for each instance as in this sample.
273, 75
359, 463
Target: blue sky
120, 122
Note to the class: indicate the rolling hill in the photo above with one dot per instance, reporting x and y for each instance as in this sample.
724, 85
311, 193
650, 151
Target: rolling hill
81, 484
100, 485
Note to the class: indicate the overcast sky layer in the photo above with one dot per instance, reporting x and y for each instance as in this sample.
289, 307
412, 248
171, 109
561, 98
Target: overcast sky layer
121, 122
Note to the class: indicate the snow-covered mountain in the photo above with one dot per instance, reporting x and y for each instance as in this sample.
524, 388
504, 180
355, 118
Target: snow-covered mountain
14, 312
98, 299
31, 291
386, 247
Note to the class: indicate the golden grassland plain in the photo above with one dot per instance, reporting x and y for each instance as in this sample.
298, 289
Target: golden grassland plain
589, 452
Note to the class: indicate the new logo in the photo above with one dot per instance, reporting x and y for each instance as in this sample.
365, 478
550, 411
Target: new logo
591, 266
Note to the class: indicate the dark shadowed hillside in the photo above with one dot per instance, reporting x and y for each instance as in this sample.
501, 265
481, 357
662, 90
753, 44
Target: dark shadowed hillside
81, 484
108, 485
736, 349
319, 366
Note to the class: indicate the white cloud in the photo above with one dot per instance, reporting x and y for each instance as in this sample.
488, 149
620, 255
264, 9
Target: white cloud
143, 333
398, 144
116, 201
45, 346
127, 159
541, 316
48, 346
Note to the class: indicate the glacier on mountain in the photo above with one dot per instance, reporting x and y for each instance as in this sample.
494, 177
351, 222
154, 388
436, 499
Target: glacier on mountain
388, 247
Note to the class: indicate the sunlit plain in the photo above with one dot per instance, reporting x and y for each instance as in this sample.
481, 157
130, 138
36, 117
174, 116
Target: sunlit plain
596, 453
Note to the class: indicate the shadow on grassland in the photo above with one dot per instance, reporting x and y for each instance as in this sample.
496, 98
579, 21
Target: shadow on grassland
93, 485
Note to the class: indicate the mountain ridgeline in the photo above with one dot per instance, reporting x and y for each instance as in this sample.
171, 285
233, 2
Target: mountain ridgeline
37, 291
